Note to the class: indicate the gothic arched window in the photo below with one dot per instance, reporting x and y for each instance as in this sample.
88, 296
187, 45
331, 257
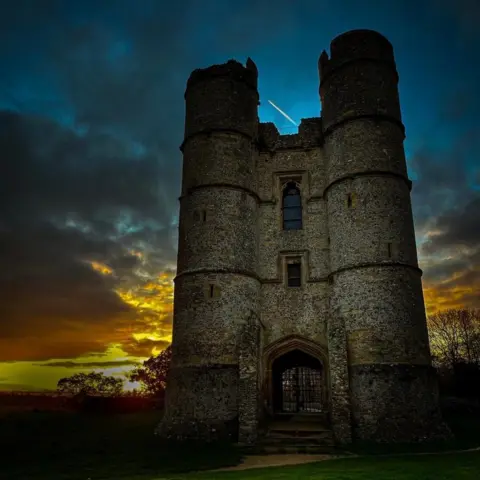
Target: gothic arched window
292, 207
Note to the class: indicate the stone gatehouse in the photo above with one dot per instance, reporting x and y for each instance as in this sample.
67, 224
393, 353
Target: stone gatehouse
298, 289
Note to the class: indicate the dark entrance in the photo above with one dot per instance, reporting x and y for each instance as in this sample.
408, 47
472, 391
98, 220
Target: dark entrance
297, 383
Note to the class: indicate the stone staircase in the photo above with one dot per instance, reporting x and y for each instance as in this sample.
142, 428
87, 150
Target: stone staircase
306, 433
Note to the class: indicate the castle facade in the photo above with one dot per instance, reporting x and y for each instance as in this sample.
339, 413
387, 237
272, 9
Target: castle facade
298, 289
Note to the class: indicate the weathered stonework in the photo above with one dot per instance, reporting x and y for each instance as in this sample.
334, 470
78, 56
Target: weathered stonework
357, 306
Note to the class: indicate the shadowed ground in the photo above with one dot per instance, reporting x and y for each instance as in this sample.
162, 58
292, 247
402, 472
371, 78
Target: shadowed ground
74, 446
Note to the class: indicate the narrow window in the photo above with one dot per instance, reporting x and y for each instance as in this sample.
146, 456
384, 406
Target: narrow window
389, 246
292, 207
294, 274
204, 215
212, 291
349, 200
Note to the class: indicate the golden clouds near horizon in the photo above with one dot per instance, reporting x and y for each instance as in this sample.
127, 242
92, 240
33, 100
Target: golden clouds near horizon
44, 375
117, 347
128, 338
438, 298
153, 300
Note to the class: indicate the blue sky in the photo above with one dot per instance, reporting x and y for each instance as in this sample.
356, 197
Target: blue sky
91, 117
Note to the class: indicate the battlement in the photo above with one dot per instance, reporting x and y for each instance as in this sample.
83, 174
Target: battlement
233, 69
355, 45
309, 135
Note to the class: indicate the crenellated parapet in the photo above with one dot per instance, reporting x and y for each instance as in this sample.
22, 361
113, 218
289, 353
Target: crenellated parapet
359, 80
222, 98
356, 45
309, 135
232, 69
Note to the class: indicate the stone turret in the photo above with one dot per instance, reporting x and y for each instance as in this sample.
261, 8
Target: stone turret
216, 287
376, 290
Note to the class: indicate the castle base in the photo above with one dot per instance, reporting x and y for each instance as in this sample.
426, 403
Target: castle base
201, 404
194, 430
396, 404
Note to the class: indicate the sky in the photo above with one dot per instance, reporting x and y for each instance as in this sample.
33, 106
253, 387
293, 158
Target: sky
91, 118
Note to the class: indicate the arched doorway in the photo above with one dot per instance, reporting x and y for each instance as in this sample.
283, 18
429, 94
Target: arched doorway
296, 369
298, 384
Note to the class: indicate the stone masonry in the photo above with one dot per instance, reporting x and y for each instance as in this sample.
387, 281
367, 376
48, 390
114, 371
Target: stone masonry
357, 306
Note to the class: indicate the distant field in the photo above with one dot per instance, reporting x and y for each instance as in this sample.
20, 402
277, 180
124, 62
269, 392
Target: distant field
75, 446
52, 402
30, 401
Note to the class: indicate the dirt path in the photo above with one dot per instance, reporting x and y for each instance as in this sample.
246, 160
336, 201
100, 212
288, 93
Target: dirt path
262, 461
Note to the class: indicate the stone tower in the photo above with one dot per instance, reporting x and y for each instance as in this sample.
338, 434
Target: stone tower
298, 290
376, 283
217, 288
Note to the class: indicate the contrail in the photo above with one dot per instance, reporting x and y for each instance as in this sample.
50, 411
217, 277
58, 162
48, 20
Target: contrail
282, 112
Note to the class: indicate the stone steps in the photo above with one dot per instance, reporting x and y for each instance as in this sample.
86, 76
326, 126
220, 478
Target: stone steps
295, 449
306, 441
297, 436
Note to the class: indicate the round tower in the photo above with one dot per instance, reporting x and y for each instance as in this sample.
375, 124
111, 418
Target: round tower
216, 287
376, 287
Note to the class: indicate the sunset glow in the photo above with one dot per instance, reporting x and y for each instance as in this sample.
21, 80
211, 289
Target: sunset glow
92, 114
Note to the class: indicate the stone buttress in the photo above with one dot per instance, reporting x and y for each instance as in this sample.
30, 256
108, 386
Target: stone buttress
216, 287
376, 283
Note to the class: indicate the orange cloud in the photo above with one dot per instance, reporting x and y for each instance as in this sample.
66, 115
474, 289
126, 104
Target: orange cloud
459, 290
102, 268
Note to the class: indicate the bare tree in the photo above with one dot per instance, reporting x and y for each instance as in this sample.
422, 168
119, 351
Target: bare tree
455, 336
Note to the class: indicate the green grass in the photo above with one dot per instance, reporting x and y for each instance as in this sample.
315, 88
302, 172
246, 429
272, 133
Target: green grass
72, 446
460, 466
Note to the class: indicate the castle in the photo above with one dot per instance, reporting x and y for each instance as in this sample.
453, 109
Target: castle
298, 290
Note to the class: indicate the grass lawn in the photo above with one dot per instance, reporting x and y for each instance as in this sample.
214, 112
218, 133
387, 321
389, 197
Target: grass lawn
73, 446
459, 466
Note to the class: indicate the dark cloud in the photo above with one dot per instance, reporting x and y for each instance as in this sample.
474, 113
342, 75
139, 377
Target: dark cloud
466, 13
108, 364
67, 200
92, 98
456, 228
143, 348
445, 177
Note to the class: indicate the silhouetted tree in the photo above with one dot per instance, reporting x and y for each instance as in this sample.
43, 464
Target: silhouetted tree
152, 375
90, 384
455, 342
455, 337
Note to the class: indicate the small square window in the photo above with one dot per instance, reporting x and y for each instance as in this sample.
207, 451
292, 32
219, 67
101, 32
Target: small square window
213, 291
294, 274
